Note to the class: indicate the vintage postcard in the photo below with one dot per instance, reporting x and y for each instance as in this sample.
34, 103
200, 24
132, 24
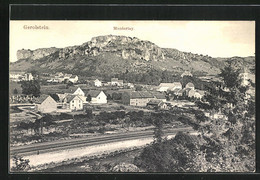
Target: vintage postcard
132, 96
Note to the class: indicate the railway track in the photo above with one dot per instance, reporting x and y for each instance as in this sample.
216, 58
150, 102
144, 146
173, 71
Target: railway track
84, 142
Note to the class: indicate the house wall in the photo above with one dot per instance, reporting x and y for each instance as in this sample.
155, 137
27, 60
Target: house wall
140, 101
47, 106
76, 104
100, 99
98, 83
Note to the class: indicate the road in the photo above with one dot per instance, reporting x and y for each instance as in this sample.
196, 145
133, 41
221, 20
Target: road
46, 147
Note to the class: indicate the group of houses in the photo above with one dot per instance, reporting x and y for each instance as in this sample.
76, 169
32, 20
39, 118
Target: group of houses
177, 90
70, 101
114, 82
59, 77
21, 76
150, 99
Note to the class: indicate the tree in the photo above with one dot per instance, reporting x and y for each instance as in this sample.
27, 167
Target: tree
31, 88
15, 91
109, 97
89, 98
158, 129
20, 164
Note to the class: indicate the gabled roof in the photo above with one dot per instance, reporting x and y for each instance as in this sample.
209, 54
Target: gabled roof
154, 102
42, 98
73, 76
201, 92
71, 97
158, 95
96, 80
93, 93
177, 90
189, 85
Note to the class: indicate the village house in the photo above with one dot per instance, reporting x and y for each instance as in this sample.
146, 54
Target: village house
72, 102
186, 73
97, 97
198, 94
45, 104
157, 104
190, 85
137, 98
116, 82
28, 77
74, 78
97, 83
163, 87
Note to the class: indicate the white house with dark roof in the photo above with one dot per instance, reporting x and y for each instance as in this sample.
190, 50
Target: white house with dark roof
97, 97
45, 104
116, 82
97, 83
73, 102
74, 78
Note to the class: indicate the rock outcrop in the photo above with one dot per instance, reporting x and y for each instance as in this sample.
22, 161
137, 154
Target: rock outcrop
35, 54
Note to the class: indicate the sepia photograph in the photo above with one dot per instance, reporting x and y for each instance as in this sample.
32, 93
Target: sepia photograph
132, 96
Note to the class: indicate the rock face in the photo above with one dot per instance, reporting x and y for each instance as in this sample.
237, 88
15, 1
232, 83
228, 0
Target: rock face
126, 47
36, 54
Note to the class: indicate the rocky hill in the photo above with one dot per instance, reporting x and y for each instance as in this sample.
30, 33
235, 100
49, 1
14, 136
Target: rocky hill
110, 55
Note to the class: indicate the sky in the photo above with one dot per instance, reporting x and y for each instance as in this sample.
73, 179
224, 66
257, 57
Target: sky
213, 38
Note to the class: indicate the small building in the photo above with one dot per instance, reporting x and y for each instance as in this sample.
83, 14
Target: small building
116, 82
157, 104
45, 104
163, 87
198, 94
190, 85
137, 98
74, 78
73, 102
97, 97
186, 73
28, 77
97, 83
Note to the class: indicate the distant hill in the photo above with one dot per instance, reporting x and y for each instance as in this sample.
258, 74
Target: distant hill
110, 55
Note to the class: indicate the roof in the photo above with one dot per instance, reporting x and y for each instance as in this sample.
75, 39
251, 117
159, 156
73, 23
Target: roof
93, 93
71, 97
177, 90
140, 94
200, 92
73, 76
158, 95
42, 98
189, 85
154, 102
114, 79
120, 81
96, 80
170, 85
